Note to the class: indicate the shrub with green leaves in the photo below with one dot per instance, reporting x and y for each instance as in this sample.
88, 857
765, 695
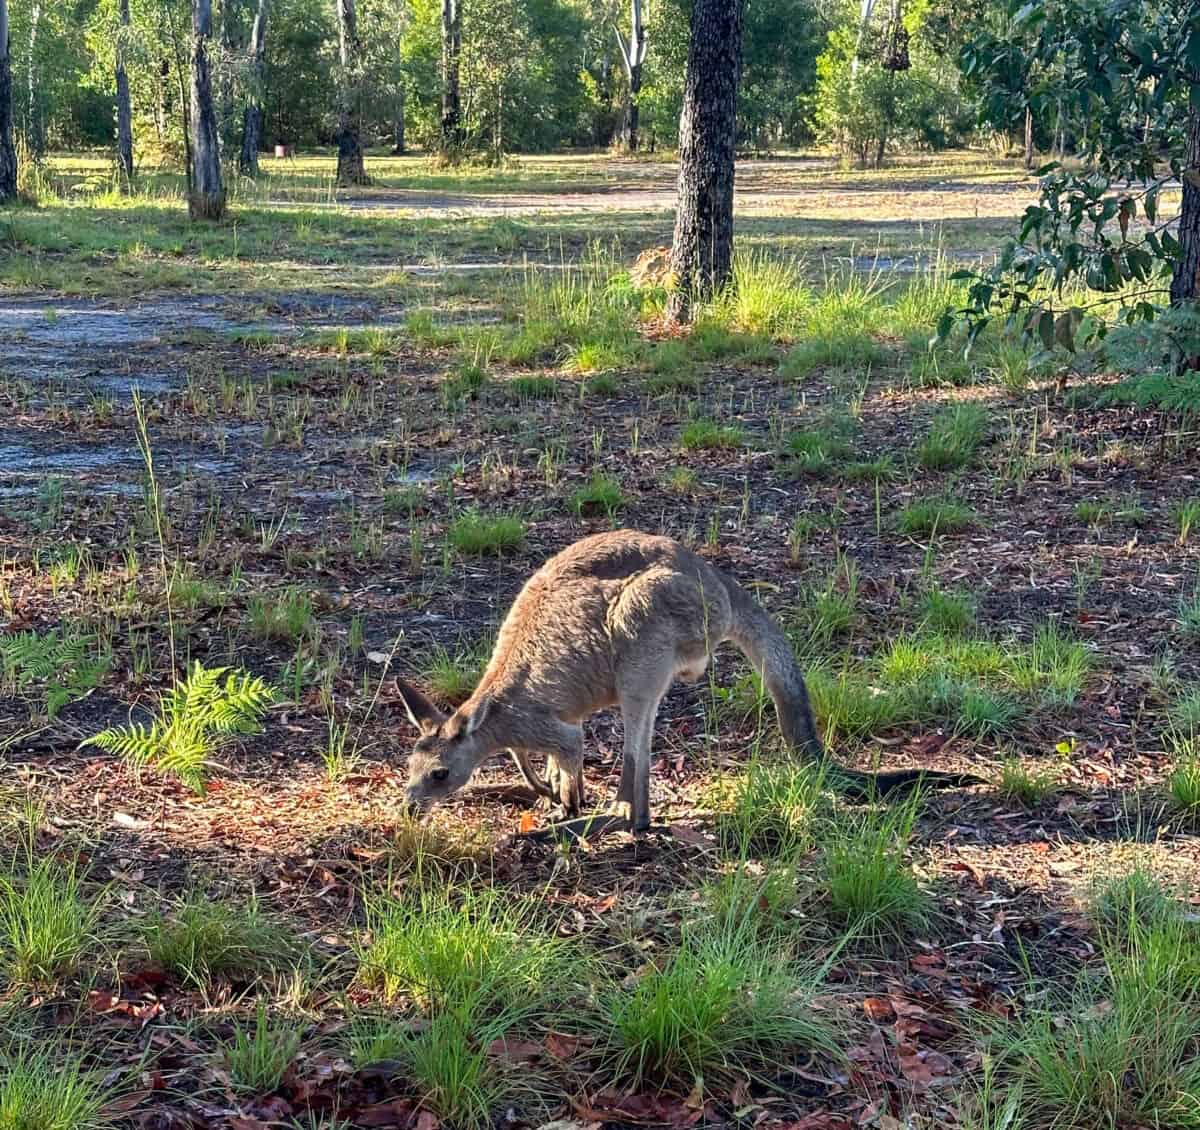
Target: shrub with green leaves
65, 665
198, 715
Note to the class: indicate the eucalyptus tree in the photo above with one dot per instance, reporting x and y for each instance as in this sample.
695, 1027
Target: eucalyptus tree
8, 154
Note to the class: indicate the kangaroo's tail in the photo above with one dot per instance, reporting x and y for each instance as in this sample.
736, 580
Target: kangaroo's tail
769, 652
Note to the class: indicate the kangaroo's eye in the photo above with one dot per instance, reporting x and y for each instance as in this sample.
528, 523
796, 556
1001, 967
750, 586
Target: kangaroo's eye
439, 774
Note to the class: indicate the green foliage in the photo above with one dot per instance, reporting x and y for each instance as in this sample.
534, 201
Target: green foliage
708, 435
452, 676
936, 516
772, 807
258, 1056
725, 1002
284, 618
47, 921
944, 611
65, 664
48, 1088
194, 719
475, 534
201, 940
1167, 392
954, 437
871, 887
1027, 786
601, 494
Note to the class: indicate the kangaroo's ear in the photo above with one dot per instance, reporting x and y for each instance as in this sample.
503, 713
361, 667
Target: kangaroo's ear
479, 714
421, 712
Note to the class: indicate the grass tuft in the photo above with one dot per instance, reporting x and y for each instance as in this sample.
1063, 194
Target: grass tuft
474, 534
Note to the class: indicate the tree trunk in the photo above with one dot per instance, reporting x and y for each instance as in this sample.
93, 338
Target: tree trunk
252, 116
124, 110
8, 155
34, 135
351, 168
633, 54
702, 251
604, 92
399, 149
451, 94
1185, 280
207, 197
1029, 137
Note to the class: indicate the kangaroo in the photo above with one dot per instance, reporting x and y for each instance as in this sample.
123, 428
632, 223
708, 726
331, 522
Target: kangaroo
614, 619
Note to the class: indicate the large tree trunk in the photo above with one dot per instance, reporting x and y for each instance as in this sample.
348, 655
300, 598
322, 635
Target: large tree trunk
34, 134
350, 166
206, 200
8, 155
252, 116
702, 252
451, 94
633, 54
1185, 281
124, 109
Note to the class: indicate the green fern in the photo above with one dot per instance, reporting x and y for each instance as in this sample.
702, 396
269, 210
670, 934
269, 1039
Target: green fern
195, 717
65, 664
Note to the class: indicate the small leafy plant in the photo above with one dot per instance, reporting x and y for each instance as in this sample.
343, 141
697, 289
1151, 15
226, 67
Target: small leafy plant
66, 664
195, 717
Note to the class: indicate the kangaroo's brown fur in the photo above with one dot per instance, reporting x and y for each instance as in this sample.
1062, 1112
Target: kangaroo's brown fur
614, 619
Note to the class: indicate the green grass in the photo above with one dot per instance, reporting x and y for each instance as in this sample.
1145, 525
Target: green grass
817, 450
1055, 666
533, 388
870, 885
725, 1003
601, 494
772, 807
1026, 785
1187, 517
829, 610
936, 516
831, 349
1119, 1049
48, 923
202, 940
1183, 785
287, 617
475, 534
708, 435
482, 956
944, 611
452, 676
954, 438
259, 1055
48, 1088
1135, 900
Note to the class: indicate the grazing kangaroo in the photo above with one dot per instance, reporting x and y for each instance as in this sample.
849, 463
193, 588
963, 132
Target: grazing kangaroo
614, 619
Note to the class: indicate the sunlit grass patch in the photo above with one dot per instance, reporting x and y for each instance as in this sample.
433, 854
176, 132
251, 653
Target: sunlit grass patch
936, 516
601, 494
1026, 784
772, 807
954, 437
708, 435
871, 887
453, 675
260, 1053
202, 940
476, 534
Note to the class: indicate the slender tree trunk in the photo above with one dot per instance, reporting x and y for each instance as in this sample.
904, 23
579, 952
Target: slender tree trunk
351, 168
451, 94
399, 149
252, 116
604, 90
124, 110
8, 155
207, 197
34, 134
633, 55
1185, 280
702, 252
1029, 137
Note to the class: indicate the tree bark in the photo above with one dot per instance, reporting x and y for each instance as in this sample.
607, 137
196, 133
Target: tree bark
399, 148
351, 168
702, 251
451, 94
1028, 137
8, 155
1185, 279
124, 109
34, 134
252, 116
207, 197
633, 55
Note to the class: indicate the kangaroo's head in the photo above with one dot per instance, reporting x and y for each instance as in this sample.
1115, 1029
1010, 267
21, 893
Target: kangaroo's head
448, 748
